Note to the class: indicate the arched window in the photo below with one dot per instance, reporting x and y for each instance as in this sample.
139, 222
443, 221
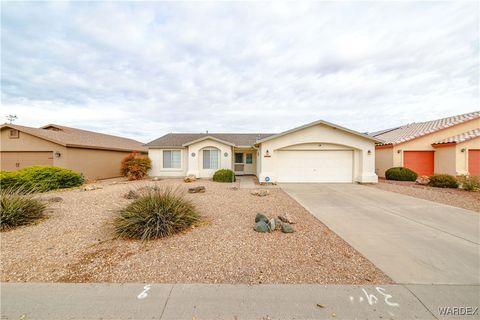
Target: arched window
211, 158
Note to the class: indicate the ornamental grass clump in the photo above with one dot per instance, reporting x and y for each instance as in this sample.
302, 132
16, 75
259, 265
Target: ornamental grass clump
19, 207
156, 213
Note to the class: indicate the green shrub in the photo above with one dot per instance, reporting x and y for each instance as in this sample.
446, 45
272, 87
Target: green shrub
443, 181
156, 213
40, 178
400, 174
134, 166
19, 208
471, 183
224, 175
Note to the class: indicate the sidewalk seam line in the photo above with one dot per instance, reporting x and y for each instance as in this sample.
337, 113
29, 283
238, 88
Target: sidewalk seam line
434, 316
166, 302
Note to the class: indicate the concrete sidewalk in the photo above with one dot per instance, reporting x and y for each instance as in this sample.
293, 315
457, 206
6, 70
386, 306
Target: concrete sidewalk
204, 301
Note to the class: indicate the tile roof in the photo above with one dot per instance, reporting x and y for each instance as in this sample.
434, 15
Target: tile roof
475, 133
72, 137
415, 130
179, 139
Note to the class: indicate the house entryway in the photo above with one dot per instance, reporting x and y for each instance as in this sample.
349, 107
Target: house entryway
244, 162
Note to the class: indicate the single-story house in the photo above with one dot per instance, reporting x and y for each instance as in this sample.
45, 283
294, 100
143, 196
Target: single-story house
95, 155
449, 145
317, 152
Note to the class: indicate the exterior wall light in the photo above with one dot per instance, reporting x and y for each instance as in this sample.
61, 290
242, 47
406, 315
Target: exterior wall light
399, 151
58, 154
369, 152
463, 150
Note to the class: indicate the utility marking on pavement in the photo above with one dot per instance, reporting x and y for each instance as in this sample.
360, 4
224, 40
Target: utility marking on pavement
372, 299
144, 293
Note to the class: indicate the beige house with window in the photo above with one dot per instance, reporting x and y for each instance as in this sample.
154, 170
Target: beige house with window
317, 152
95, 155
449, 145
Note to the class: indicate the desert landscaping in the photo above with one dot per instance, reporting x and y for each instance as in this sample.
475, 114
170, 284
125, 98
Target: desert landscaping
76, 242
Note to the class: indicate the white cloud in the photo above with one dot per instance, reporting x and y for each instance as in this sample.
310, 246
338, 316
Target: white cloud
144, 69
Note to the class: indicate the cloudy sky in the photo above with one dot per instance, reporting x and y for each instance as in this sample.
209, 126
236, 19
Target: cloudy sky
144, 69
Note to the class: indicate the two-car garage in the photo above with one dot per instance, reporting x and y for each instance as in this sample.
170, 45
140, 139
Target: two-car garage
319, 152
315, 166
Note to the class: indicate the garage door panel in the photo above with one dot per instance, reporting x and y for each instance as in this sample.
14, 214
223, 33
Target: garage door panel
422, 162
474, 162
315, 166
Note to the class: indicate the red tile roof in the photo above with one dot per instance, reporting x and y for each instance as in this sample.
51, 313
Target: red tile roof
472, 134
416, 130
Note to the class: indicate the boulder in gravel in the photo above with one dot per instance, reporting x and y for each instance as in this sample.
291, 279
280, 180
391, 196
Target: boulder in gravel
261, 226
260, 193
92, 187
422, 180
199, 189
190, 178
285, 217
287, 228
261, 217
132, 194
272, 224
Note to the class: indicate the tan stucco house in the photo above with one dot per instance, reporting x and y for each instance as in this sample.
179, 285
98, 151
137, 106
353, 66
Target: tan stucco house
449, 145
95, 155
316, 152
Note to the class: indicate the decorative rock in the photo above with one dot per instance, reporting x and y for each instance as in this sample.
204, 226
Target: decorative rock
131, 195
156, 179
287, 228
92, 187
261, 217
54, 199
261, 226
278, 224
286, 218
260, 193
423, 180
272, 224
189, 178
199, 189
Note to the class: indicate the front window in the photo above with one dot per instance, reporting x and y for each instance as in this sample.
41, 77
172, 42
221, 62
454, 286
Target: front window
210, 159
172, 159
249, 159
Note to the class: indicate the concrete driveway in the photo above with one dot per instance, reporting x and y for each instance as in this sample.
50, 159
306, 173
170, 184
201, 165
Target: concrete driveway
414, 241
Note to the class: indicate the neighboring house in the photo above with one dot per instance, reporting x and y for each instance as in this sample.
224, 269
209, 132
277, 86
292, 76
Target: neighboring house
449, 145
316, 152
95, 155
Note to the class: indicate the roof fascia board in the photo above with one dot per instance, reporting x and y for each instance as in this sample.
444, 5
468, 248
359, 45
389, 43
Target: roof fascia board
208, 138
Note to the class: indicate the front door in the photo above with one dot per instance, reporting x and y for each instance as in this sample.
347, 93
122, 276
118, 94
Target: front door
239, 163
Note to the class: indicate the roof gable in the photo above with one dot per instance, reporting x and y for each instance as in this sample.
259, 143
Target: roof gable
321, 122
416, 130
73, 137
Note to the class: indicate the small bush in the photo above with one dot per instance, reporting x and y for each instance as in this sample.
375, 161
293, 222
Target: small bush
400, 174
156, 213
19, 208
135, 167
471, 183
443, 181
40, 178
224, 175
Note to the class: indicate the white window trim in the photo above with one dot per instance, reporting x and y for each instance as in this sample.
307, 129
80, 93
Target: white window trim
181, 161
219, 158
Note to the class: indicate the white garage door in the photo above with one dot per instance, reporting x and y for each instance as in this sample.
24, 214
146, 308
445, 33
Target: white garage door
315, 166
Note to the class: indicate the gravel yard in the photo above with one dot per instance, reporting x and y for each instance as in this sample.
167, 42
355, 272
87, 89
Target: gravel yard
76, 243
455, 197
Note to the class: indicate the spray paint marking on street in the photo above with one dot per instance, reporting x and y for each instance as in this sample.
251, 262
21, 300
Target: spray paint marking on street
144, 293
